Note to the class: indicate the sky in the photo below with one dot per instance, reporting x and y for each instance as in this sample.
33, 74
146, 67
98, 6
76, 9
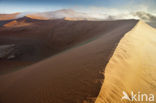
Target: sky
11, 6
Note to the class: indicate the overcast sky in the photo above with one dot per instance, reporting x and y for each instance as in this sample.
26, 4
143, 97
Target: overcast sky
10, 6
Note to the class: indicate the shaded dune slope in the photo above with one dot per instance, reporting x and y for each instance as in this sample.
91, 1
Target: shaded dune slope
73, 76
44, 38
24, 21
132, 67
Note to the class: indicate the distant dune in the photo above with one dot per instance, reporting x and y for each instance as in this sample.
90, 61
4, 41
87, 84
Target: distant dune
132, 67
24, 21
81, 50
70, 14
16, 24
58, 14
8, 16
37, 16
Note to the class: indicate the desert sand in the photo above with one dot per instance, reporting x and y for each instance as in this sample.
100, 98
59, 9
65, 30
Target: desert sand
72, 75
132, 66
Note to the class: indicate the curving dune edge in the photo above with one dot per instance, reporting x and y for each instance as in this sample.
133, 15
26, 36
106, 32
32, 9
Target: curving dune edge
132, 67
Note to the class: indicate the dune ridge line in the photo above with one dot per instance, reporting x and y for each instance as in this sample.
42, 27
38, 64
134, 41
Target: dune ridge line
131, 67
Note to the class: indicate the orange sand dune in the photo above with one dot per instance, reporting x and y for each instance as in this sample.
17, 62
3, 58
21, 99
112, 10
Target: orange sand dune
132, 67
72, 76
16, 24
33, 16
8, 16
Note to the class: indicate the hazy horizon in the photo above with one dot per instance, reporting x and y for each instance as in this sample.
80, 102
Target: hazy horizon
98, 9
12, 6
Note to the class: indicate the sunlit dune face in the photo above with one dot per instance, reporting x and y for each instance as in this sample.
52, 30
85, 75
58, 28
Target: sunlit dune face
39, 17
8, 16
16, 24
72, 19
132, 66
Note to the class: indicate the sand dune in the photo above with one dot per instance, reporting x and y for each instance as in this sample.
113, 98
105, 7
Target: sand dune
24, 21
60, 14
37, 16
44, 38
8, 16
132, 67
16, 24
72, 76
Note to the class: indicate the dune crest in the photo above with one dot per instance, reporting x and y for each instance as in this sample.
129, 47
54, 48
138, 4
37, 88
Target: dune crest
33, 16
132, 66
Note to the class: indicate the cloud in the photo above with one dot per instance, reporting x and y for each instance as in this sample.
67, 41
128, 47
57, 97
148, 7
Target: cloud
147, 17
102, 13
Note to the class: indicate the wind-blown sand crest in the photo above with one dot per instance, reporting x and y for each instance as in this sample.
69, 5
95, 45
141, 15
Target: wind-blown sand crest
132, 66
